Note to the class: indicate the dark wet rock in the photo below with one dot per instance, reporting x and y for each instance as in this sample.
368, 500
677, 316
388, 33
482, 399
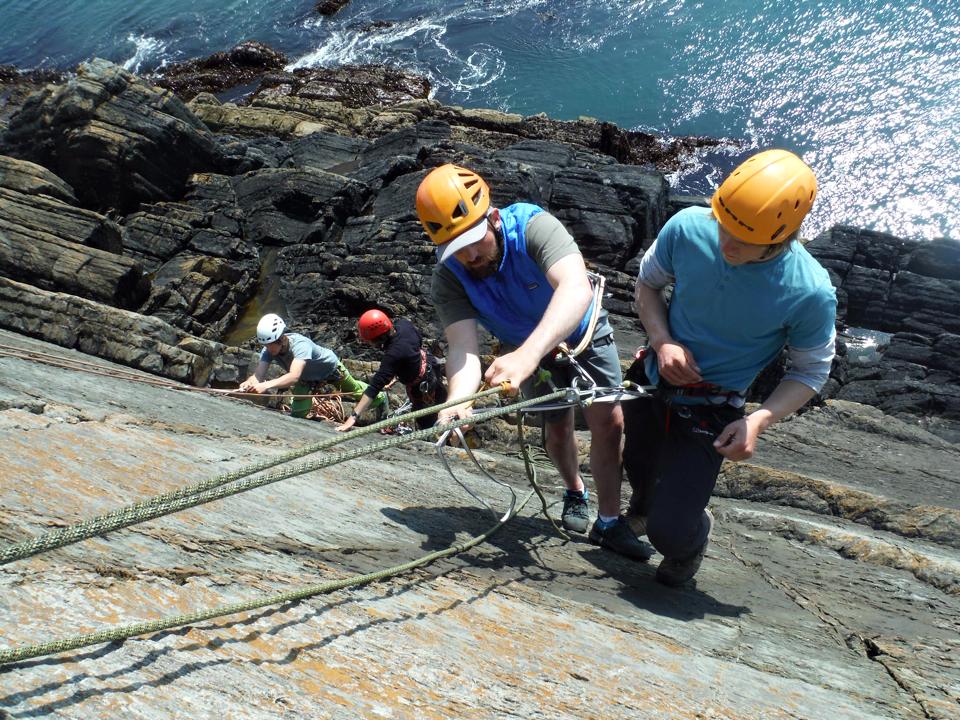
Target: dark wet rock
331, 7
354, 86
296, 205
115, 139
677, 202
376, 25
17, 85
910, 288
244, 63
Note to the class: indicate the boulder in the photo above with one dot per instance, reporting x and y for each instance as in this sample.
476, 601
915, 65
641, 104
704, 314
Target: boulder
34, 249
331, 7
115, 139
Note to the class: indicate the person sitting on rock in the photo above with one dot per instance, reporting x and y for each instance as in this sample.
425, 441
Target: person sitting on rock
403, 358
517, 271
743, 290
306, 363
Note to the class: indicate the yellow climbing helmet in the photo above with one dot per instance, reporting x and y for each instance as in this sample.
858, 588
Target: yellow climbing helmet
765, 199
452, 204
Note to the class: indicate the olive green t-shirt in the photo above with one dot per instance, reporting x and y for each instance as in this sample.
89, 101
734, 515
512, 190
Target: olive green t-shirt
547, 241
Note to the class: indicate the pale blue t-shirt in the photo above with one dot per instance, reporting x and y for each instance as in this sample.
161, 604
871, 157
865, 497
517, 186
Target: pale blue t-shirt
320, 361
736, 319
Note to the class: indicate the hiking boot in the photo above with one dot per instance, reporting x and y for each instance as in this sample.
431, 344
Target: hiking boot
575, 515
675, 571
620, 539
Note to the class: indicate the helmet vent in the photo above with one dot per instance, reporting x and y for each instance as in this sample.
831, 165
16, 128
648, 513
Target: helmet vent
796, 204
434, 227
732, 214
777, 233
460, 210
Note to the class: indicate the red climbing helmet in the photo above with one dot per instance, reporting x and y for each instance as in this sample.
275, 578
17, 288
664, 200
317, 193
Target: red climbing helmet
373, 324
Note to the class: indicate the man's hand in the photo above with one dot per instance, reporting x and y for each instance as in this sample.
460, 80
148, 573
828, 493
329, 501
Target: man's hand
347, 424
677, 364
458, 412
514, 367
257, 387
738, 440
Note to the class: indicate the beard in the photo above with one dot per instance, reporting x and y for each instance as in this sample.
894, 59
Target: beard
487, 266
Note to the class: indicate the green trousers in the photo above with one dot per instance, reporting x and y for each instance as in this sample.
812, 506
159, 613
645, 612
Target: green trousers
343, 381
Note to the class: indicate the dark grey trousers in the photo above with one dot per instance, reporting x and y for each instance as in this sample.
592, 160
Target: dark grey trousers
672, 467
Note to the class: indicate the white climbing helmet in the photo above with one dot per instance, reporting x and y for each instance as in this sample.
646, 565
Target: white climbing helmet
270, 328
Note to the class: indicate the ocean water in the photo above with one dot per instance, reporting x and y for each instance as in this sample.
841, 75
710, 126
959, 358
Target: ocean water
866, 91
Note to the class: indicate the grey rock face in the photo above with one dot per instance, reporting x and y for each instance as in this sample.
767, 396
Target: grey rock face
802, 608
125, 337
242, 64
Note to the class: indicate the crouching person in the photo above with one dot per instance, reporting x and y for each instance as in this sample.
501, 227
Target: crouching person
403, 358
306, 363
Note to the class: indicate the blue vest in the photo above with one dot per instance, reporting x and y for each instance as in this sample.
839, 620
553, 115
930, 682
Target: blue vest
512, 302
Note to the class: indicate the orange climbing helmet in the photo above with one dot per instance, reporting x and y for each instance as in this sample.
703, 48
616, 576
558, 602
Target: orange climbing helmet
373, 324
765, 199
452, 204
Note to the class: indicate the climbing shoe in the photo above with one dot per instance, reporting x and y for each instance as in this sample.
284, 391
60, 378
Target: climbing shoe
620, 539
676, 571
575, 515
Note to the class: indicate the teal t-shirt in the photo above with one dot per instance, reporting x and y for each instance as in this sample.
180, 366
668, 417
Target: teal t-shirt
736, 319
320, 361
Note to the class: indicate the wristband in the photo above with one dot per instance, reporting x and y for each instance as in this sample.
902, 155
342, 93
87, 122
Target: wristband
353, 414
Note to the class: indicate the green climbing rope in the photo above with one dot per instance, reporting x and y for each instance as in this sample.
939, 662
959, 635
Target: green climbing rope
220, 486
26, 652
